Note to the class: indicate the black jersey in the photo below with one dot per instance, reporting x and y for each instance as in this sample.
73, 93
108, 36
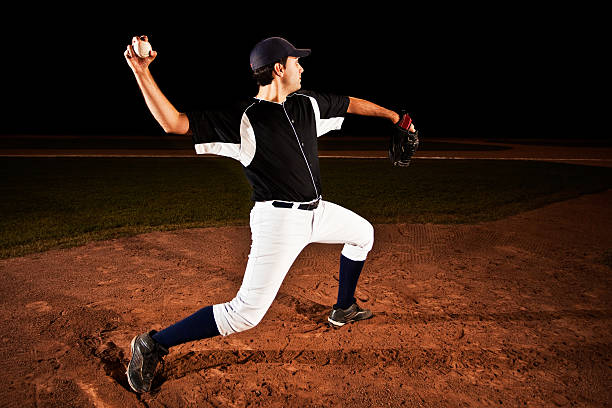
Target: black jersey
276, 143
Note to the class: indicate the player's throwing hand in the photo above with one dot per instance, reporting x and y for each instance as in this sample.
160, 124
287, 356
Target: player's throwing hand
136, 62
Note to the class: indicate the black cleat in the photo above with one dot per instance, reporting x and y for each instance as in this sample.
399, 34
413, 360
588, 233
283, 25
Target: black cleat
340, 317
146, 355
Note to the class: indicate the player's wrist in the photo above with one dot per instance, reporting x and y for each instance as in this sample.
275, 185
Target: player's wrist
394, 117
142, 73
405, 122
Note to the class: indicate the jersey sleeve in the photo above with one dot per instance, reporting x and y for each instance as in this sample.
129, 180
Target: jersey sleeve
216, 132
329, 109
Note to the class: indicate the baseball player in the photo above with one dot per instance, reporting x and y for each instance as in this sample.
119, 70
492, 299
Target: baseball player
274, 136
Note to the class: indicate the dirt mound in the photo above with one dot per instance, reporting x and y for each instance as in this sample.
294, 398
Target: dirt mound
514, 312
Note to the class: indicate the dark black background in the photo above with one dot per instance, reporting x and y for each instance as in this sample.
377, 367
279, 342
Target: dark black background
462, 71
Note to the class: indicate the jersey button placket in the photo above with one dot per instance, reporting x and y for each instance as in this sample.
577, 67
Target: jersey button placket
300, 144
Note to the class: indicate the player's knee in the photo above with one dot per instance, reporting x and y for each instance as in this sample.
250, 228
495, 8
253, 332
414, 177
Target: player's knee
254, 315
359, 249
240, 315
249, 321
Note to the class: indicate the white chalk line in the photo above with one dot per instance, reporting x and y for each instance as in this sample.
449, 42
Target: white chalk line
323, 156
473, 158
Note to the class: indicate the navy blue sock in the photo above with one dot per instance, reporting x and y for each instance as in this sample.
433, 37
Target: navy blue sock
200, 325
349, 275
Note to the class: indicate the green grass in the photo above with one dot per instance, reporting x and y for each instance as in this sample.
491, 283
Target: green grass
455, 191
61, 202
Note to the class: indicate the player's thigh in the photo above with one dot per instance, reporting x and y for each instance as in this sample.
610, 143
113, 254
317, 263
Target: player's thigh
278, 236
335, 224
274, 229
277, 239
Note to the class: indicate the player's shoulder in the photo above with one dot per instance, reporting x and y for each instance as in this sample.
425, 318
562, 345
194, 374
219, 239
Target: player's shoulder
303, 93
243, 104
237, 107
227, 105
316, 94
228, 112
306, 96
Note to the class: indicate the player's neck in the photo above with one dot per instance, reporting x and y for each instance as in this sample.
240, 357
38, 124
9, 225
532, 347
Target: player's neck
274, 92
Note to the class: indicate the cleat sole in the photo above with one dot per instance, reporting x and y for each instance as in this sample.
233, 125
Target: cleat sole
128, 368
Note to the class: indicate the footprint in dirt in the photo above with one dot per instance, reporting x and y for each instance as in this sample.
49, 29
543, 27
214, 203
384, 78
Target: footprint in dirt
114, 362
112, 359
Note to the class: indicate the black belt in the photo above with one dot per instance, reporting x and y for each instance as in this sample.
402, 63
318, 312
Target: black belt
308, 206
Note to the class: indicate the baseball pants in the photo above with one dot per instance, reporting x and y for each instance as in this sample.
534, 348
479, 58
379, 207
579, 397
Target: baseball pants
278, 237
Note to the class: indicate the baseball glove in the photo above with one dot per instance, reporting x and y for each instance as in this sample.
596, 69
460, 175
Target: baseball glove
404, 142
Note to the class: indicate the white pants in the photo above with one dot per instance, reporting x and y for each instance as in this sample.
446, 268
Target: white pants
278, 237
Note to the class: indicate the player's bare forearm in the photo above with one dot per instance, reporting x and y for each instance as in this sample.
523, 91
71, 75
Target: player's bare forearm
366, 108
170, 119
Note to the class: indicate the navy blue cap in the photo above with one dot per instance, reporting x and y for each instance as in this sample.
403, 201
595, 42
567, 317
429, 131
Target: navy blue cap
272, 50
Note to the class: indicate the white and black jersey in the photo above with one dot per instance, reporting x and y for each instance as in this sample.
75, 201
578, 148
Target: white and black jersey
276, 143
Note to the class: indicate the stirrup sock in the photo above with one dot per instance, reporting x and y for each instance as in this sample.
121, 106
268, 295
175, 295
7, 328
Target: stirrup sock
349, 275
200, 325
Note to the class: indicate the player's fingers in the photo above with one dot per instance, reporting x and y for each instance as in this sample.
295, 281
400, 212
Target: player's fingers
153, 54
128, 52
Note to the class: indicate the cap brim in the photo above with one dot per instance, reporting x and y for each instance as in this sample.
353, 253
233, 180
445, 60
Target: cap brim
300, 52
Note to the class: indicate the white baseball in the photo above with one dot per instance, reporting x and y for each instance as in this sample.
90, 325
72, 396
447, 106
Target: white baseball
142, 48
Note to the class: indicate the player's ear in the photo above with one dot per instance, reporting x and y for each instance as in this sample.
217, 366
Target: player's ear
279, 69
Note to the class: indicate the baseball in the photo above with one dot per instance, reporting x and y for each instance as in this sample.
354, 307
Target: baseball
142, 48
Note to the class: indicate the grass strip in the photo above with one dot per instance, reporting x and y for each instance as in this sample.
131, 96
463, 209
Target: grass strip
62, 202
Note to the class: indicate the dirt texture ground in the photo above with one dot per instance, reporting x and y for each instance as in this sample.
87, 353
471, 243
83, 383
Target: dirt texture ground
516, 312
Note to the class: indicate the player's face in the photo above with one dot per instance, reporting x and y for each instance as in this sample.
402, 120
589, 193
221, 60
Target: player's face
292, 80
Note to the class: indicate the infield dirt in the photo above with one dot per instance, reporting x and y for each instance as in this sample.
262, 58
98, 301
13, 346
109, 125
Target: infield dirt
515, 312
